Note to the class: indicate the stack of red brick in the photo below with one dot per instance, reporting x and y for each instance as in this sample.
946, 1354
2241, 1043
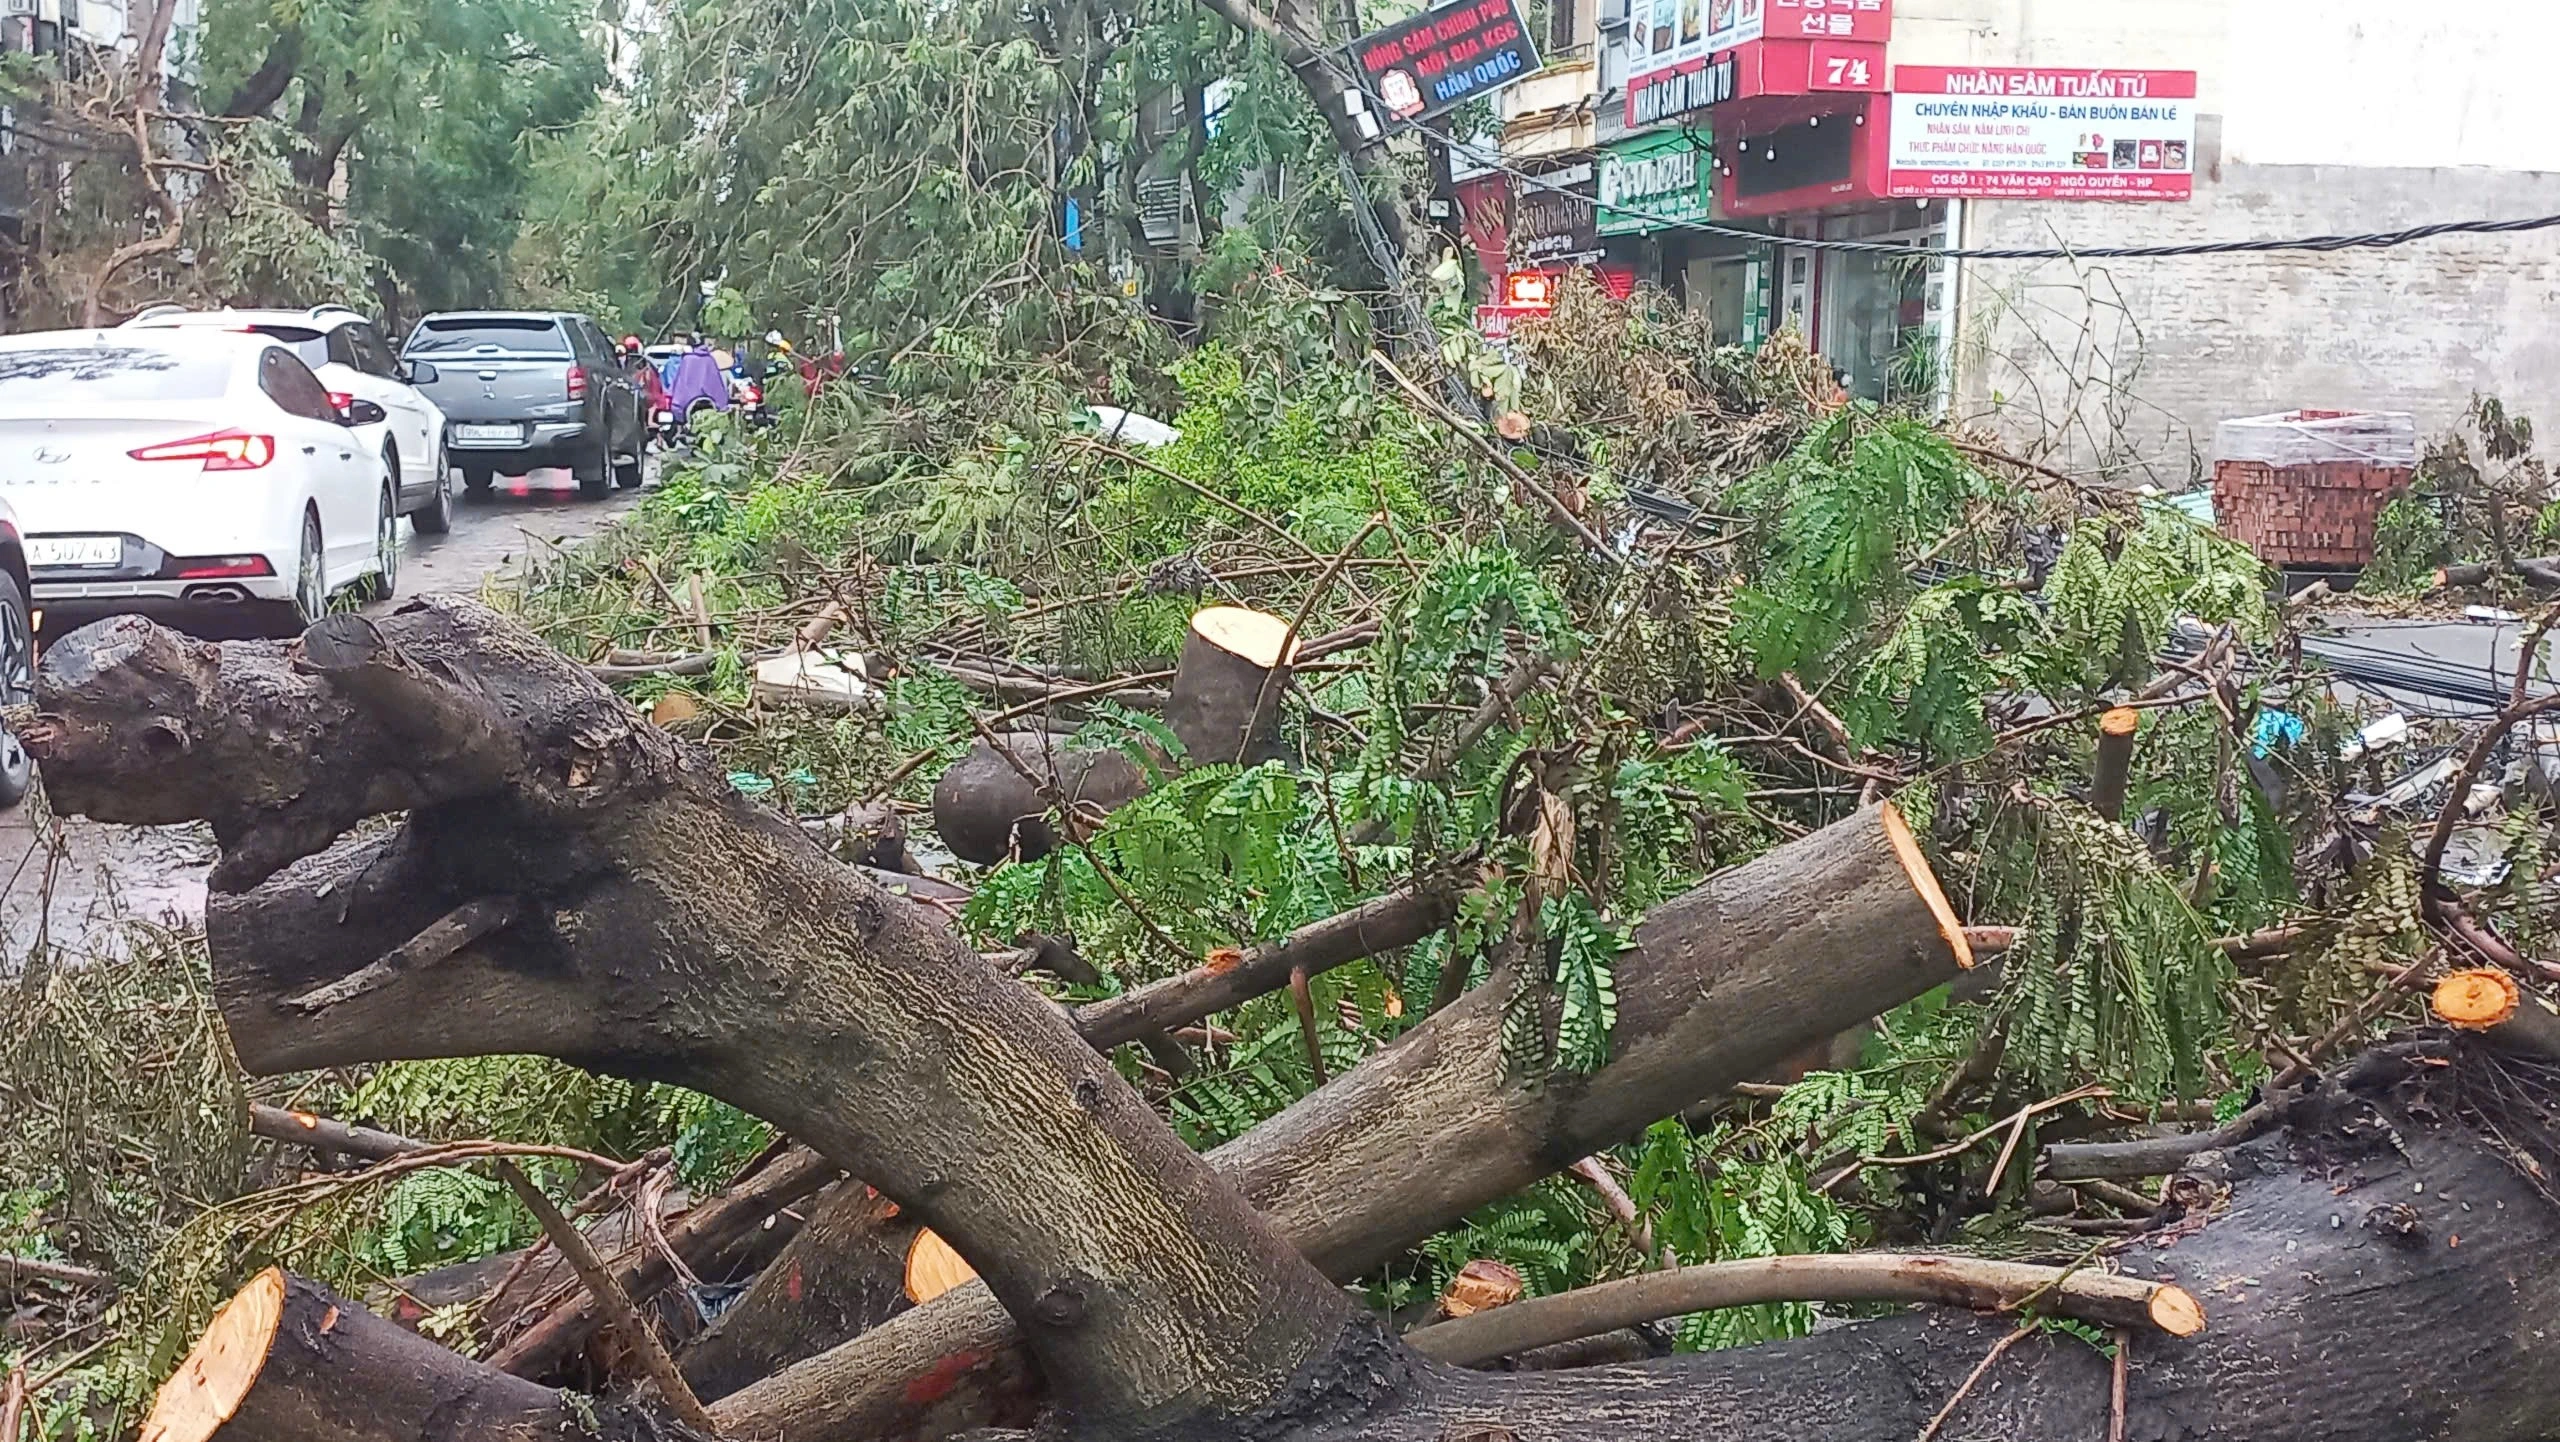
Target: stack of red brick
2305, 488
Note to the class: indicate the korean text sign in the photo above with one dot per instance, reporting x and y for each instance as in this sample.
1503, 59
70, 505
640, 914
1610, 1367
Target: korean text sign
1671, 34
2043, 134
1442, 58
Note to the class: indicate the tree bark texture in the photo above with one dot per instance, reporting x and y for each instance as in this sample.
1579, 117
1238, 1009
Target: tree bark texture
1748, 967
673, 931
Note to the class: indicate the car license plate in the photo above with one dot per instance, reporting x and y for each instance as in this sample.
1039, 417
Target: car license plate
75, 551
487, 435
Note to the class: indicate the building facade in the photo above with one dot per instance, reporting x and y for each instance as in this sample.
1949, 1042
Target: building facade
2065, 125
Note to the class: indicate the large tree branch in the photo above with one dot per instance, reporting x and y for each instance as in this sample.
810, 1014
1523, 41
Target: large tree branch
265, 85
1748, 968
673, 930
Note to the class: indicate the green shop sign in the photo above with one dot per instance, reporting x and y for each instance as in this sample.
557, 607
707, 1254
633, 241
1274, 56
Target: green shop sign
1670, 176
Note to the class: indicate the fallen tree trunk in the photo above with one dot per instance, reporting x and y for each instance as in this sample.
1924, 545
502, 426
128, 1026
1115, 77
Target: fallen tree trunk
2377, 1232
1752, 965
668, 929
2087, 1294
2540, 572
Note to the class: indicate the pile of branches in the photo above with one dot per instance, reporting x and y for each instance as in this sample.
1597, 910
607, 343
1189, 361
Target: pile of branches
1588, 867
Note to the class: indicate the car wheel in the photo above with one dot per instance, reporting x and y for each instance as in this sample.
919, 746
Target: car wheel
478, 480
594, 472
436, 517
17, 688
310, 577
386, 547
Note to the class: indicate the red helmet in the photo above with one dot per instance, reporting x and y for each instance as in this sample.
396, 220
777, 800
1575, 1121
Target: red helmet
631, 342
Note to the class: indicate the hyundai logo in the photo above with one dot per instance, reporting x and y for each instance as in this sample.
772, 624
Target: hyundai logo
51, 456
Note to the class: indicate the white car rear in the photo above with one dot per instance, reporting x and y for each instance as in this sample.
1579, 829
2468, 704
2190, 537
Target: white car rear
353, 360
181, 471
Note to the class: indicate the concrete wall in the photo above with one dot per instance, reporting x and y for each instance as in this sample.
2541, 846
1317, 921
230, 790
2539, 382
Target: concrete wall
2321, 116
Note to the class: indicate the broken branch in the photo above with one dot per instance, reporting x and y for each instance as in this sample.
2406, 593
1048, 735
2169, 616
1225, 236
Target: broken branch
2086, 1295
443, 937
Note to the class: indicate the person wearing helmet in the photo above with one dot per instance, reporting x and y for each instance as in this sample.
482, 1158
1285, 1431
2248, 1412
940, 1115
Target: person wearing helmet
635, 362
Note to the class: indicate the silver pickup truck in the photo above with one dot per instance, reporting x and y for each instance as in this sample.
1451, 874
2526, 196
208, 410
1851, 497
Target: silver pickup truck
526, 389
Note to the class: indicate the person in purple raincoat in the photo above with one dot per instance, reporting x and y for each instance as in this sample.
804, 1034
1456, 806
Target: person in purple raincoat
697, 381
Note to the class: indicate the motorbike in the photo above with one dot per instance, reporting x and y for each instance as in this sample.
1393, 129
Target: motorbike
747, 403
695, 385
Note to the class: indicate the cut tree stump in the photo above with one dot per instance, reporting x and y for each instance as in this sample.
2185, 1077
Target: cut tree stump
2489, 1001
1225, 698
286, 1361
1227, 687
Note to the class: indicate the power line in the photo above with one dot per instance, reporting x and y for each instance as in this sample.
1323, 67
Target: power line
1323, 55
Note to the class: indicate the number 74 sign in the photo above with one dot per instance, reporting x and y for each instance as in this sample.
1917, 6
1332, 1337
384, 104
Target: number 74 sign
1844, 66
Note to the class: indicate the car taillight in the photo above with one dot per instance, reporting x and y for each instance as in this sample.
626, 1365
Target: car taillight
219, 450
340, 400
216, 568
577, 383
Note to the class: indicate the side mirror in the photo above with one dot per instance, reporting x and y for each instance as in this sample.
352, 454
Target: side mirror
422, 373
363, 413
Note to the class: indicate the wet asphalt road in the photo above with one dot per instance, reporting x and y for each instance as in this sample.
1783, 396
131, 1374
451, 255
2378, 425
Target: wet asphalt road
157, 873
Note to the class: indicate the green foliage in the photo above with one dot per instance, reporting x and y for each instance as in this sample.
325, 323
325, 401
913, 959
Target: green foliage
2115, 591
446, 1214
1299, 445
1954, 645
2410, 542
430, 103
1673, 815
1841, 509
2113, 979
1560, 1019
1709, 1201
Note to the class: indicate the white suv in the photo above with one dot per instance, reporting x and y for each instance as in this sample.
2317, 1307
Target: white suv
351, 358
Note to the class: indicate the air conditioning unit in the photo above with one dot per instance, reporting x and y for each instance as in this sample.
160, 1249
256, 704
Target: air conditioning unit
1163, 205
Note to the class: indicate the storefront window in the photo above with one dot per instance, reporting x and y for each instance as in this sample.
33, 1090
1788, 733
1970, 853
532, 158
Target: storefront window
1724, 289
1875, 308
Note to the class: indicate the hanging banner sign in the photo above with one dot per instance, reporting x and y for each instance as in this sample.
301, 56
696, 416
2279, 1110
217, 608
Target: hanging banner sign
1442, 58
1555, 219
2042, 134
